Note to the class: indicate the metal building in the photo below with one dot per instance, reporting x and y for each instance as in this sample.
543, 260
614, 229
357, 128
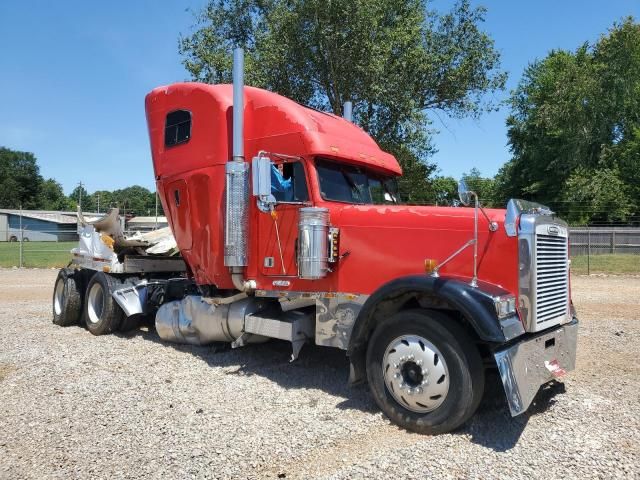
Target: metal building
37, 226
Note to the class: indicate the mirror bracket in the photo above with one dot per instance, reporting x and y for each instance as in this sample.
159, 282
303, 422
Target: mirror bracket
466, 197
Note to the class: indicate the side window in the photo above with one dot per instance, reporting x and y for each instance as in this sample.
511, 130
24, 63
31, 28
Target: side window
288, 183
177, 128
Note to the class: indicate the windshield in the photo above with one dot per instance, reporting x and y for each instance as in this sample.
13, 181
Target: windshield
351, 184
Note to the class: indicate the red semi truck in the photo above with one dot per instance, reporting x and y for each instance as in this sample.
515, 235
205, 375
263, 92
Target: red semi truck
308, 242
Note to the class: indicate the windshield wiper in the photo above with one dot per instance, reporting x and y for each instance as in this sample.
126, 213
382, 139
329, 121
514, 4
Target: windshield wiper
354, 187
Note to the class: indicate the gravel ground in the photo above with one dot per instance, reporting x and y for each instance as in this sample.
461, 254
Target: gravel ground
77, 406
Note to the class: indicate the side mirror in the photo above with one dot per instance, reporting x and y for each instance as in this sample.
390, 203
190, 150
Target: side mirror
261, 176
261, 182
466, 195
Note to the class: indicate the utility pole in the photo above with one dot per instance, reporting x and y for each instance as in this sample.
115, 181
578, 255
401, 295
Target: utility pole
21, 236
80, 196
98, 195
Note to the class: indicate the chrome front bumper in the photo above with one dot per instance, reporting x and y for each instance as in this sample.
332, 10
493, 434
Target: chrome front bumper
528, 364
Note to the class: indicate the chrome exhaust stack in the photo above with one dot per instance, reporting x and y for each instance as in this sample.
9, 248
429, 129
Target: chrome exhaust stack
347, 111
237, 185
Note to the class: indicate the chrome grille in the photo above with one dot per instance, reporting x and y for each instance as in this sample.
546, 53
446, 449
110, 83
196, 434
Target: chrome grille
552, 278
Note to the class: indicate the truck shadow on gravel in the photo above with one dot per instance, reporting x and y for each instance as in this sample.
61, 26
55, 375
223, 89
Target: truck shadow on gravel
317, 368
493, 426
327, 369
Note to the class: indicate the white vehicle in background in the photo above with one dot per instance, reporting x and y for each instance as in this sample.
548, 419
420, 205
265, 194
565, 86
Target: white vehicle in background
14, 235
114, 280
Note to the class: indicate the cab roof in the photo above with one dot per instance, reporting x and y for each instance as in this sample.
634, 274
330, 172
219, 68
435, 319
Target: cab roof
268, 115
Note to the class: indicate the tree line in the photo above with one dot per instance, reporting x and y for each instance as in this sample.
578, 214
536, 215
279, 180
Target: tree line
398, 61
22, 186
573, 123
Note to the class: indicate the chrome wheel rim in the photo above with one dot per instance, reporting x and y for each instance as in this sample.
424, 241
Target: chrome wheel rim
95, 303
415, 373
58, 296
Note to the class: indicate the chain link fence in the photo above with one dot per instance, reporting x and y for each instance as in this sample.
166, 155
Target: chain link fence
605, 240
614, 250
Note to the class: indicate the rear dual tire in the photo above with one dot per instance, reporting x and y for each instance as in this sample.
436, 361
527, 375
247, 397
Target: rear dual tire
67, 299
424, 372
102, 314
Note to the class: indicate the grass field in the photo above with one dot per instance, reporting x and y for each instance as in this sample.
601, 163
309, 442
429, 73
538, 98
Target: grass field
616, 264
36, 254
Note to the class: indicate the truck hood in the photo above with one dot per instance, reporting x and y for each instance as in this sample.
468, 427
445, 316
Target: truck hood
417, 217
391, 241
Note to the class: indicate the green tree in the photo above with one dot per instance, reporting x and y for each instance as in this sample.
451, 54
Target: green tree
135, 200
445, 190
483, 186
397, 60
596, 195
575, 116
52, 197
20, 179
80, 195
103, 200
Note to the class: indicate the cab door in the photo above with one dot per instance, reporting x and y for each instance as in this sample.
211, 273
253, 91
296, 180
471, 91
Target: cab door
278, 231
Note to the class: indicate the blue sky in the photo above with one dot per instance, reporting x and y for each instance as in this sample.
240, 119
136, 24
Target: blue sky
73, 76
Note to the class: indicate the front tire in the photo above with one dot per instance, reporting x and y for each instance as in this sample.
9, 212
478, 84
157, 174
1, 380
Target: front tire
102, 314
67, 301
424, 372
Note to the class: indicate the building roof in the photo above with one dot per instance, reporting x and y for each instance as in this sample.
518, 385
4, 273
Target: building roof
45, 215
85, 213
135, 220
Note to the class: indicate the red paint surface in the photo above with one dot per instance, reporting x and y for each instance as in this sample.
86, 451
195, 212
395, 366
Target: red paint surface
384, 242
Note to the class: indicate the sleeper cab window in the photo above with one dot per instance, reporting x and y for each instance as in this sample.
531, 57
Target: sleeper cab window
177, 128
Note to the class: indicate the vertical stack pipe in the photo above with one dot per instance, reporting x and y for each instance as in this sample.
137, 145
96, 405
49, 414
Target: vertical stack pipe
347, 111
238, 105
237, 183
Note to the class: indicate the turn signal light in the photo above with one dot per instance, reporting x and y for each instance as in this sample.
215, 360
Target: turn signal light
430, 265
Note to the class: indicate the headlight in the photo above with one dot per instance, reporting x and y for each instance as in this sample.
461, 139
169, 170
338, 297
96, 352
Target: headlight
505, 305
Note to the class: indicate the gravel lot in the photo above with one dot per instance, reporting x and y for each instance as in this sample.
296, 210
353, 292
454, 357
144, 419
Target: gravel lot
77, 406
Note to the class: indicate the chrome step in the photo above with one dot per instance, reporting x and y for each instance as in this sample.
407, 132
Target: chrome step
294, 326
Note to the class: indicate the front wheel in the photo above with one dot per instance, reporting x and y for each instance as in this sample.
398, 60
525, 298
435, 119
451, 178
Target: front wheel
102, 314
424, 372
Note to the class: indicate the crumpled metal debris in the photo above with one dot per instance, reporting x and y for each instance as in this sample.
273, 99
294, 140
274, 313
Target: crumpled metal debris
109, 228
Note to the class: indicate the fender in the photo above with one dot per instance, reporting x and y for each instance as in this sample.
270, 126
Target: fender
476, 304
